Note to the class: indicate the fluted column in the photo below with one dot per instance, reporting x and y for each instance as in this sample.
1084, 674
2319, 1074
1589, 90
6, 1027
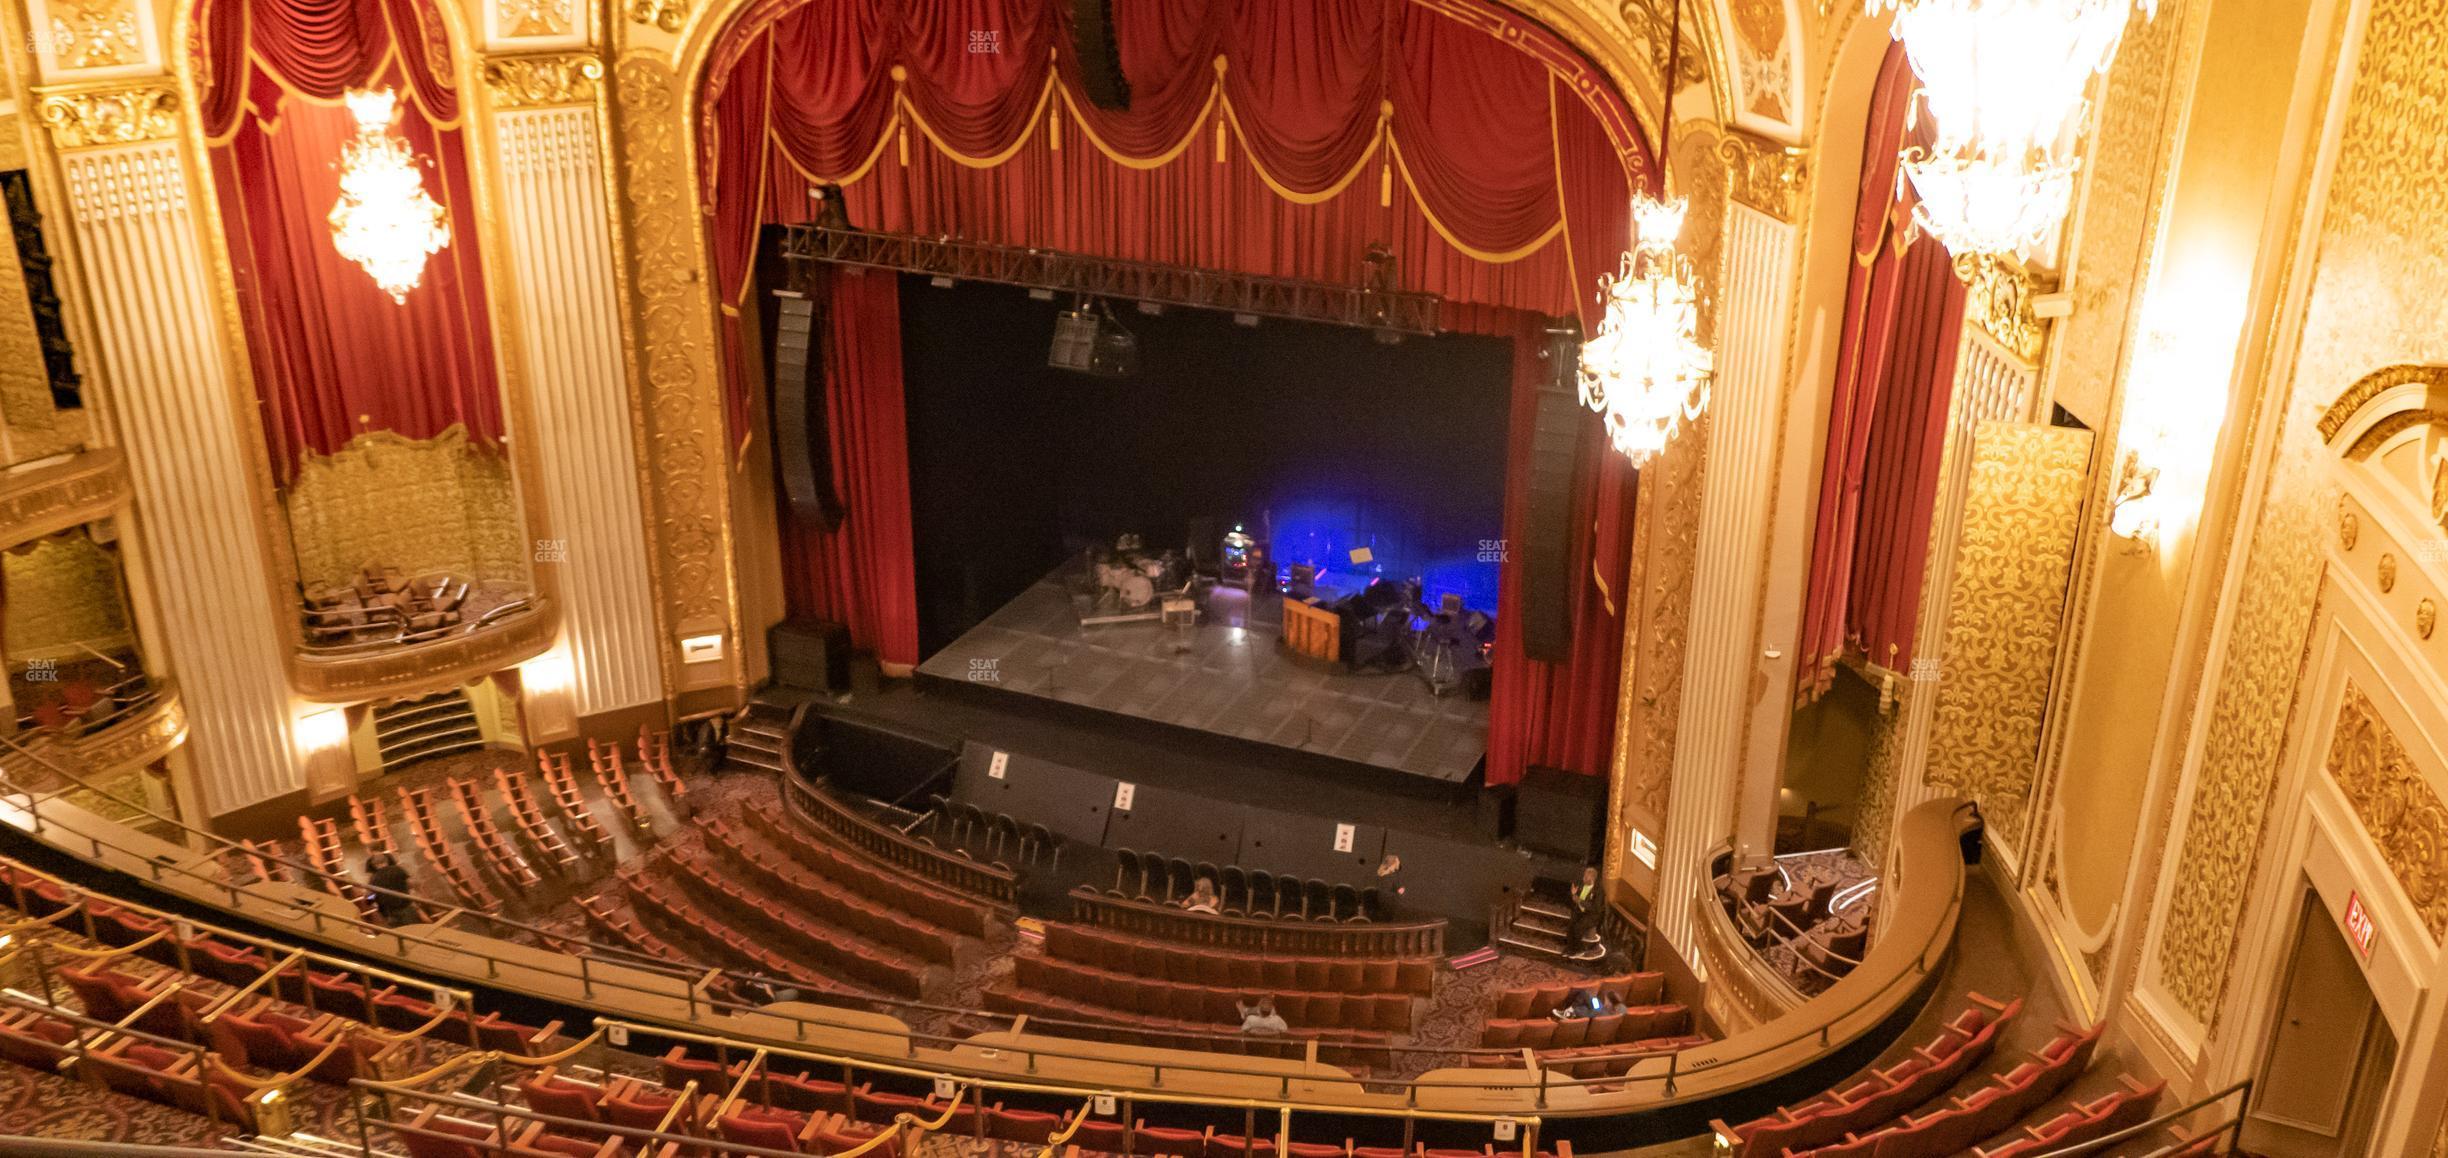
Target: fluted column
548, 132
139, 250
1722, 675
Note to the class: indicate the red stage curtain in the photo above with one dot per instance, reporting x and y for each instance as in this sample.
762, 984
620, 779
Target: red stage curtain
1559, 715
1895, 371
862, 574
1493, 161
333, 356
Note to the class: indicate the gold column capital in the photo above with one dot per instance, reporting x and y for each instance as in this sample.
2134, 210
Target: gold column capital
122, 114
539, 80
1999, 302
1765, 175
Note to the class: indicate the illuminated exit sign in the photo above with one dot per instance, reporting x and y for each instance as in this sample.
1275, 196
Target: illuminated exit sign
2359, 925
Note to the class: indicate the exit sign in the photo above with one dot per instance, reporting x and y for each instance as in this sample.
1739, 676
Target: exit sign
2359, 927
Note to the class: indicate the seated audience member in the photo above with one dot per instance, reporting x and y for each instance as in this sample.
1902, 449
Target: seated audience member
1202, 898
1261, 1020
1596, 1004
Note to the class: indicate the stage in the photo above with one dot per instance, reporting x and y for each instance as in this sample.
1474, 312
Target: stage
1228, 676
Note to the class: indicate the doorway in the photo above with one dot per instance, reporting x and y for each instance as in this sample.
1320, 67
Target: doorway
2330, 1051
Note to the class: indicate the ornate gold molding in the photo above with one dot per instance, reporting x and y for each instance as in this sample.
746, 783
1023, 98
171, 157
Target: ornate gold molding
544, 80
667, 15
95, 33
90, 485
2397, 804
2372, 385
1999, 301
2370, 441
426, 667
117, 115
1764, 175
678, 383
136, 741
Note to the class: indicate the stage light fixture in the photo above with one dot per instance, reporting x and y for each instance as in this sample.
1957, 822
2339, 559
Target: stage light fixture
1250, 320
939, 281
1152, 309
1041, 294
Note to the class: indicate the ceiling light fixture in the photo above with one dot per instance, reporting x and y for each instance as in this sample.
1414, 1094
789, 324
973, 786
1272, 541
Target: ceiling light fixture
2003, 82
384, 220
1645, 371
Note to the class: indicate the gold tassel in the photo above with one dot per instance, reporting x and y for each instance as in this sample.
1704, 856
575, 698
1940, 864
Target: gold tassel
1054, 129
1385, 182
902, 138
1219, 134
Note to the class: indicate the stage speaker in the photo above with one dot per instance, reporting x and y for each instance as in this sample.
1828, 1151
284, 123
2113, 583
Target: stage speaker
803, 448
1546, 573
1075, 339
1496, 812
810, 653
1100, 61
1560, 813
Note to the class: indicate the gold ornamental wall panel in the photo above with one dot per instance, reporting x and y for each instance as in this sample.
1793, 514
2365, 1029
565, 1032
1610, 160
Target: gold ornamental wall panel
2022, 514
421, 505
2398, 805
2378, 297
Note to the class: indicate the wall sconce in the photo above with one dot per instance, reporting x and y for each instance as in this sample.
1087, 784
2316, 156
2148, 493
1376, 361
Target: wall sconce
323, 731
545, 683
551, 673
2130, 512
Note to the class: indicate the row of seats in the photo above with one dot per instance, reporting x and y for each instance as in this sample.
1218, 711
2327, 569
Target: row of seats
1390, 1012
659, 900
1885, 1096
654, 751
1986, 1112
889, 886
1240, 892
1637, 1023
536, 828
1351, 1048
2083, 1122
426, 827
825, 900
1201, 965
128, 1065
477, 821
610, 775
1539, 1000
834, 948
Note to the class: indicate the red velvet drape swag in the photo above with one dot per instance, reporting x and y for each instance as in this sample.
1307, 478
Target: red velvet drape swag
1263, 137
1895, 372
333, 356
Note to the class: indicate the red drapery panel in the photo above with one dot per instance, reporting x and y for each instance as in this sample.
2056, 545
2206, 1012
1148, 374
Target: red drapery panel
333, 356
1559, 715
1895, 371
1494, 162
862, 574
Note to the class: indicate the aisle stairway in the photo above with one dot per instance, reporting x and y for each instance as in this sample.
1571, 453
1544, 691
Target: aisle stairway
1538, 928
436, 725
758, 734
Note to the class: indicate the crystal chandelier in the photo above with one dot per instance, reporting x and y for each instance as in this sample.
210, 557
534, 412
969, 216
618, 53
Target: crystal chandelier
1645, 371
2002, 81
384, 220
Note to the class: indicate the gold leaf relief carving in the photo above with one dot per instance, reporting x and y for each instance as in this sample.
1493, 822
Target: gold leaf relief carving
110, 116
680, 386
519, 82
2373, 302
1670, 490
95, 33
2396, 803
1763, 175
2020, 521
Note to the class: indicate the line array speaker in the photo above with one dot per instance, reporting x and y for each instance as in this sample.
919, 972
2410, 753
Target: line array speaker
802, 446
1092, 36
1546, 573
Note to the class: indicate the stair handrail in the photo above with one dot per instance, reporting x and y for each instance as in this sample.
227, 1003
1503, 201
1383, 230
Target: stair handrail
2233, 1127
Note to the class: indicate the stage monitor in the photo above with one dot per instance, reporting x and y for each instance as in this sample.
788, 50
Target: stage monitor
1070, 803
